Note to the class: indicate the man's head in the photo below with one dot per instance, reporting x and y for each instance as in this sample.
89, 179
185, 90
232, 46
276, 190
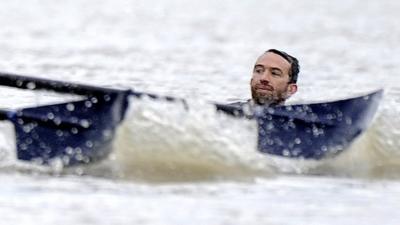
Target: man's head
274, 77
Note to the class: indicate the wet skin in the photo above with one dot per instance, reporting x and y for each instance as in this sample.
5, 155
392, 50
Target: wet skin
270, 80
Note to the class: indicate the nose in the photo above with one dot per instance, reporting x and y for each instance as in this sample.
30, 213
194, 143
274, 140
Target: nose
265, 77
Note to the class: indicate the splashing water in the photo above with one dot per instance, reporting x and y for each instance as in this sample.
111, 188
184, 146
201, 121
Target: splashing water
163, 140
376, 153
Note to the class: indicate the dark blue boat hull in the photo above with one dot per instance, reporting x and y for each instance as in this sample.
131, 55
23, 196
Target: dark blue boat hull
314, 131
76, 132
82, 132
309, 131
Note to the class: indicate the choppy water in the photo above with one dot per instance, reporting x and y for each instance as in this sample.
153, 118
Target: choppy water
174, 167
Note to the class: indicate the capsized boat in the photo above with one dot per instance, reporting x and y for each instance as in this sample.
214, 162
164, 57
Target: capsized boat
82, 131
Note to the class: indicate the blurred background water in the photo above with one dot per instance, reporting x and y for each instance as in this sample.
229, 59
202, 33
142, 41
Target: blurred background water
175, 167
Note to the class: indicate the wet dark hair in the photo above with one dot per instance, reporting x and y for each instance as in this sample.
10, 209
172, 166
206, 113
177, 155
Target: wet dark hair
294, 64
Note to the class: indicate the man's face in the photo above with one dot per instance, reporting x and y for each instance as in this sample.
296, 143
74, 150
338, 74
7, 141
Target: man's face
270, 80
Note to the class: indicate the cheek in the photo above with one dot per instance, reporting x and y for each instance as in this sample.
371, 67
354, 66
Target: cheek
255, 78
282, 85
253, 81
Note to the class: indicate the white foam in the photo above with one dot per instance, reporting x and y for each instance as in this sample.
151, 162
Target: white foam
163, 140
13, 98
7, 144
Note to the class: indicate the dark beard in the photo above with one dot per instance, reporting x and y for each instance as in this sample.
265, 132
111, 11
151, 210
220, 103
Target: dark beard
267, 100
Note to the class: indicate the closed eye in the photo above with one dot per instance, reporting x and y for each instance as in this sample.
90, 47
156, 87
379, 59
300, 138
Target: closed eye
276, 72
258, 69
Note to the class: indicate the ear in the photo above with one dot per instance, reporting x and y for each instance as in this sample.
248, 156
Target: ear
292, 89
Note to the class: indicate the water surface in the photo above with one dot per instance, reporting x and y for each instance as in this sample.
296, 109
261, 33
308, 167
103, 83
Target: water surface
174, 167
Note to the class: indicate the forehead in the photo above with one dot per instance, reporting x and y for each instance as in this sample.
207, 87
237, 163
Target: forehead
271, 59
